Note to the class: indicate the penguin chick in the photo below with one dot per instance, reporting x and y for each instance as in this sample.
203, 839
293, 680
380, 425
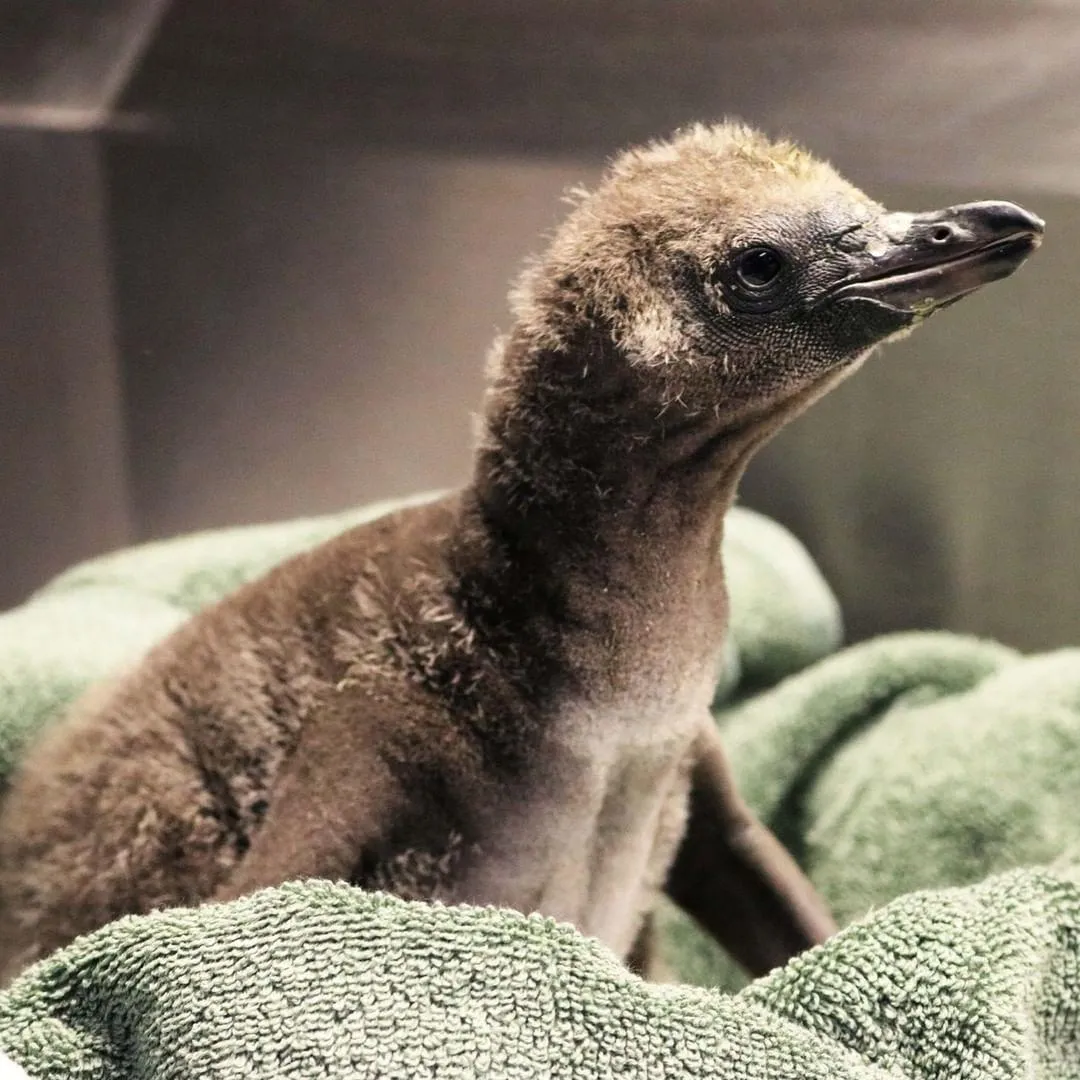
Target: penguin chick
501, 696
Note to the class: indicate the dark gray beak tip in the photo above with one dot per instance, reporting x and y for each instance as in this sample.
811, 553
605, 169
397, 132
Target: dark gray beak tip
989, 221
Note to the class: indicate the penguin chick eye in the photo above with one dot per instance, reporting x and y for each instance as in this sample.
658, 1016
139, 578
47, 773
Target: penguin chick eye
757, 268
753, 280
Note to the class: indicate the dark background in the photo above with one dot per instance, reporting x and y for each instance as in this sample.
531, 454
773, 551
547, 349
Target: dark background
252, 252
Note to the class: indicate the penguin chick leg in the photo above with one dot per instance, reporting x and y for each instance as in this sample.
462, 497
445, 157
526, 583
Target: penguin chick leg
646, 958
334, 799
735, 878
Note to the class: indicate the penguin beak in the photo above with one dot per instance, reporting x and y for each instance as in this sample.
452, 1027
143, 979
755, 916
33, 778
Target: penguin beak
916, 263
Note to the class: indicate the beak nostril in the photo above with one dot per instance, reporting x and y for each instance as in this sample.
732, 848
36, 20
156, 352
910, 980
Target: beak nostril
942, 234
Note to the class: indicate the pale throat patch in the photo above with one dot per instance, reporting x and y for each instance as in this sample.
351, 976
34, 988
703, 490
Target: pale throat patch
591, 843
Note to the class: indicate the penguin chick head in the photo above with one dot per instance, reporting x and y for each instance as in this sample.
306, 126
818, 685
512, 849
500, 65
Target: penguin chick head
737, 273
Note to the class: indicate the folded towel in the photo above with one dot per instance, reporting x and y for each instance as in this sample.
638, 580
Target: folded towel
103, 614
915, 761
911, 761
317, 980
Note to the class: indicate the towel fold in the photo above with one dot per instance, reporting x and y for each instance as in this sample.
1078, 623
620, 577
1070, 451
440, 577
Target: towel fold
316, 980
915, 761
912, 761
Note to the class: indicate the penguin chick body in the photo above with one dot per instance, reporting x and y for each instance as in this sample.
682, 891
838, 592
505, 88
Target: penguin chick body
501, 696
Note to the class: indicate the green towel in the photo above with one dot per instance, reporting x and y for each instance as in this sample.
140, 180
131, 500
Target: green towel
322, 981
916, 761
103, 614
912, 761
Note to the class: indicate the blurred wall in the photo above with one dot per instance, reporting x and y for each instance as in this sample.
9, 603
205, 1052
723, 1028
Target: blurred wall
302, 333
63, 463
236, 317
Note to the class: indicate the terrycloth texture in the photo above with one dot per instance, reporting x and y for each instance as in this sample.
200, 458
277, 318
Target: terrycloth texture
912, 761
915, 760
102, 615
322, 981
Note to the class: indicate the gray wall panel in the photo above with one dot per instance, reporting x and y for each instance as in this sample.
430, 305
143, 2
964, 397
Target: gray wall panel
63, 479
